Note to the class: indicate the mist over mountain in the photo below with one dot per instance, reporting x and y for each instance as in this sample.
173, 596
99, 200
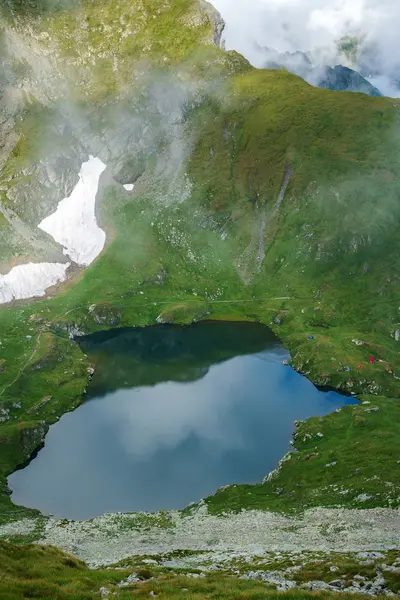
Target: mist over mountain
338, 78
360, 34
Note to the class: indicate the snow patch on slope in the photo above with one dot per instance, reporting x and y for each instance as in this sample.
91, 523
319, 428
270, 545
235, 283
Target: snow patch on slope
30, 280
74, 224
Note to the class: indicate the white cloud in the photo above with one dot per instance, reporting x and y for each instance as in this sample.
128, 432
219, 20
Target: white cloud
315, 26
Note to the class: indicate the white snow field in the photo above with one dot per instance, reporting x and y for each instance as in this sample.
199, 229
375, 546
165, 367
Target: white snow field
74, 224
129, 186
30, 280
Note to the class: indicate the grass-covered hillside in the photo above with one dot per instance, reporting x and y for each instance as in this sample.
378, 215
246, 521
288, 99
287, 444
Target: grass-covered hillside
49, 574
257, 197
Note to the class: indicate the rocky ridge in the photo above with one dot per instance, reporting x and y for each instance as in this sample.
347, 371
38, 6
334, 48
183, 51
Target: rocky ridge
113, 537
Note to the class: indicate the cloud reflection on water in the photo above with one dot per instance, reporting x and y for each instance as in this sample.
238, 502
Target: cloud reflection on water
166, 445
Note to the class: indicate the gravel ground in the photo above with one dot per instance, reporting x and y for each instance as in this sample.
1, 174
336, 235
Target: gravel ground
110, 538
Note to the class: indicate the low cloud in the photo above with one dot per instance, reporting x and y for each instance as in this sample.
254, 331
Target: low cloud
361, 34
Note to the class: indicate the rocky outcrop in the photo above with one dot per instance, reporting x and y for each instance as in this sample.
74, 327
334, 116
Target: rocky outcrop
32, 437
343, 79
216, 18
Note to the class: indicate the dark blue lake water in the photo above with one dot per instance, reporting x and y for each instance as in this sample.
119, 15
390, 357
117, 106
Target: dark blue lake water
172, 414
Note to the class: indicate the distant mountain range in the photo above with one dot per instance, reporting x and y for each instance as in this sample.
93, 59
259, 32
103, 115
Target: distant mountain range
337, 78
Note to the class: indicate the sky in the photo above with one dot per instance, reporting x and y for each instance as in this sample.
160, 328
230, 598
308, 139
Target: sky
316, 26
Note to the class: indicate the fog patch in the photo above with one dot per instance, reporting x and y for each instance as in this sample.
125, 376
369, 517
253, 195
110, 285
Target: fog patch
360, 34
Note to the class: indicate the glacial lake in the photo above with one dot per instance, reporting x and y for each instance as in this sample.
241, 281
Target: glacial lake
172, 413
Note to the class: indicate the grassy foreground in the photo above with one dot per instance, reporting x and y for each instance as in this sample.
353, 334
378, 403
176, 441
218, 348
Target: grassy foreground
49, 574
257, 198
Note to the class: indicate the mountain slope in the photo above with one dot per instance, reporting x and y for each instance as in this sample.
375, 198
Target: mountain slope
256, 197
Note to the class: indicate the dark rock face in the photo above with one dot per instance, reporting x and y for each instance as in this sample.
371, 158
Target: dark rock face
344, 79
337, 78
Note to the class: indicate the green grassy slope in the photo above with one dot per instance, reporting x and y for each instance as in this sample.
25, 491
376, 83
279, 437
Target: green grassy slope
258, 197
49, 574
